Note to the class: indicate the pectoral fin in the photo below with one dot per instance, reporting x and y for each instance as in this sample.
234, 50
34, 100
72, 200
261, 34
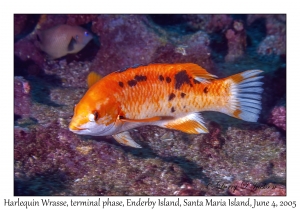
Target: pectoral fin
92, 78
125, 139
192, 123
71, 44
152, 119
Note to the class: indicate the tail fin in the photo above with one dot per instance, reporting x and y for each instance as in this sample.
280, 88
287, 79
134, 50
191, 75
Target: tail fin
246, 95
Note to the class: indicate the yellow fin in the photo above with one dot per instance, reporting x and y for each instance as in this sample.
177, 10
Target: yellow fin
198, 72
152, 119
192, 123
124, 138
92, 78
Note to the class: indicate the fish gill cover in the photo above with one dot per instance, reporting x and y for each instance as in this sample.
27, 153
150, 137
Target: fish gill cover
51, 160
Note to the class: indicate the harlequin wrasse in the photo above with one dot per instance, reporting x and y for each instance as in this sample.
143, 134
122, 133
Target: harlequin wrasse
166, 95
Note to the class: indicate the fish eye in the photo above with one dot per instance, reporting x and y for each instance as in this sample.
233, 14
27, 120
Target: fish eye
94, 116
86, 33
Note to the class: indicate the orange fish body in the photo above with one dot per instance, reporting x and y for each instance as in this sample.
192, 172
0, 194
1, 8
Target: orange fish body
166, 95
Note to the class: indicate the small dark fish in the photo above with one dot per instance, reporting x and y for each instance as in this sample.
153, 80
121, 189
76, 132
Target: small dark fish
62, 40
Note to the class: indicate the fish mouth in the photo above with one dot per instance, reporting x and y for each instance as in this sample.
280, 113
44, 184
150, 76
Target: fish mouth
74, 128
92, 129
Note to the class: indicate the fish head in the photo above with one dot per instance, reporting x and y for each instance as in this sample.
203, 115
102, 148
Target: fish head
94, 115
83, 37
80, 38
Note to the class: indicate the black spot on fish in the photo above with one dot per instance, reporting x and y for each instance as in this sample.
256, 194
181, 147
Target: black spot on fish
184, 107
196, 81
171, 96
181, 78
140, 78
168, 79
132, 83
71, 44
121, 84
161, 78
172, 109
205, 90
182, 95
96, 115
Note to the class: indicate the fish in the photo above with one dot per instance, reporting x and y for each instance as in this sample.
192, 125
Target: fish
170, 96
62, 40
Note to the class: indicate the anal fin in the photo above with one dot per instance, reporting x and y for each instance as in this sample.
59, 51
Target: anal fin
192, 123
124, 138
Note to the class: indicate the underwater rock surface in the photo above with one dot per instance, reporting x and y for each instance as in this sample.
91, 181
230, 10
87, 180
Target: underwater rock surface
51, 160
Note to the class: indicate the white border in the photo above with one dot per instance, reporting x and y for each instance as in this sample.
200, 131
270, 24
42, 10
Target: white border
8, 8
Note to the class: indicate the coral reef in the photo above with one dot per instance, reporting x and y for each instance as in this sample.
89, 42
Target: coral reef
236, 41
88, 167
275, 41
19, 23
80, 19
51, 160
125, 41
25, 50
22, 102
51, 20
209, 23
170, 160
190, 48
278, 117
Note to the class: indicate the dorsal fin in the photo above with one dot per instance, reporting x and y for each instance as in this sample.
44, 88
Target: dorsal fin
92, 78
198, 72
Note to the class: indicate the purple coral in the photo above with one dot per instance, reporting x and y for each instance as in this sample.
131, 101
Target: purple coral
74, 19
188, 189
22, 101
278, 117
125, 41
275, 40
236, 41
26, 50
19, 23
191, 48
208, 23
